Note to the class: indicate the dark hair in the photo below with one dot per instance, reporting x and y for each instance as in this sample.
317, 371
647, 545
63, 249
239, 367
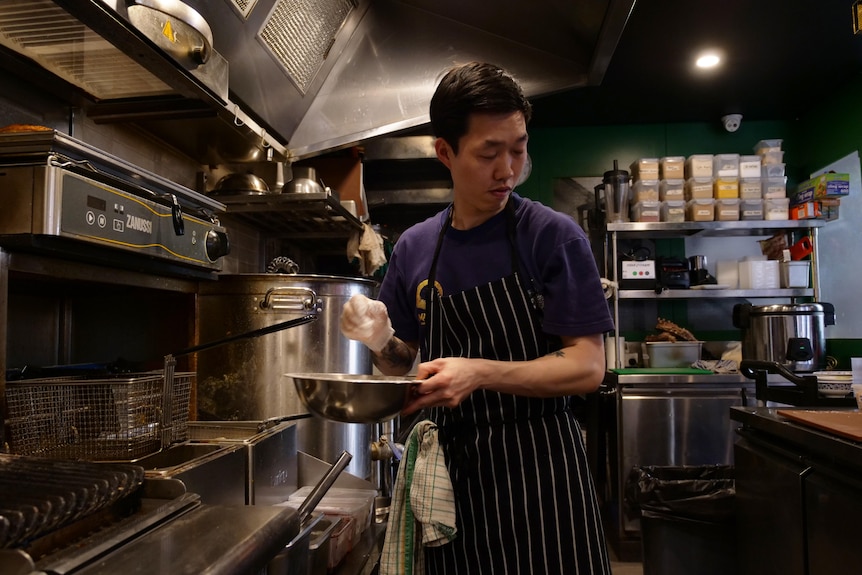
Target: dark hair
470, 89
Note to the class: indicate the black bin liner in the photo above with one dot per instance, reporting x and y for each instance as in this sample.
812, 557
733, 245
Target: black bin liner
687, 518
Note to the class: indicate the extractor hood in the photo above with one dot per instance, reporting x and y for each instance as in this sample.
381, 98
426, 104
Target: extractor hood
374, 63
310, 76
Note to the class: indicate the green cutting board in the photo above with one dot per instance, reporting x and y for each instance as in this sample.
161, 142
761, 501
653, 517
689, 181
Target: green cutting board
661, 370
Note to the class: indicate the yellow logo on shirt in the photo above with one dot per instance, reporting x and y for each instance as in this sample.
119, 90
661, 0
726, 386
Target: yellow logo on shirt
422, 298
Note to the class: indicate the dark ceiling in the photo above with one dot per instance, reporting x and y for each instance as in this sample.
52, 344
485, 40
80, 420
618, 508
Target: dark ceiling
782, 57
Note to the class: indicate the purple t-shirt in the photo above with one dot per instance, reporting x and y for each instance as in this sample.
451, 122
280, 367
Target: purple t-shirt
554, 253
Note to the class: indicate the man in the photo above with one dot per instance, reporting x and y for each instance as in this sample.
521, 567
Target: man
502, 297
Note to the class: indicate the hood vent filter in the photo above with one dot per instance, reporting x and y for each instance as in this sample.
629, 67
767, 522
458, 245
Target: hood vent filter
299, 34
60, 43
244, 7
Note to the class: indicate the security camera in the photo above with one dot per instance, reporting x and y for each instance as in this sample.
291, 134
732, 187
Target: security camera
731, 122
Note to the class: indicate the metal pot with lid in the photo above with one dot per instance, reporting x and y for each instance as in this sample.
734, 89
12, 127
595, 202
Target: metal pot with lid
793, 335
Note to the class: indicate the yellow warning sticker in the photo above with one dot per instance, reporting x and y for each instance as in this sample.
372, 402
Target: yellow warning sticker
168, 32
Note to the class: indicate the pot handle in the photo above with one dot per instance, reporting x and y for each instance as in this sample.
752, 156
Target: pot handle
291, 299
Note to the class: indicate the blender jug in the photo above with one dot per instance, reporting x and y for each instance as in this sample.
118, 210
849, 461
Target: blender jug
616, 191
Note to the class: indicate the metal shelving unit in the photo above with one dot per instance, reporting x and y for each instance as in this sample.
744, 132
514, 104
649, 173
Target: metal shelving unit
614, 232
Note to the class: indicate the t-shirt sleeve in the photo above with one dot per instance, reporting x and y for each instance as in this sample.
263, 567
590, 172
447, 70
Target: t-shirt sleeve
395, 293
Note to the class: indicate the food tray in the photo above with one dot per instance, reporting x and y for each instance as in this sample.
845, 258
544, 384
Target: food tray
110, 418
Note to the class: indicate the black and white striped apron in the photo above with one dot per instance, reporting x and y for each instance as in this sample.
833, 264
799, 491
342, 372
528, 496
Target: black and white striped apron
524, 496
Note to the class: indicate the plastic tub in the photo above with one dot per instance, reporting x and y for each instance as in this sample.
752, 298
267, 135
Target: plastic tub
698, 188
644, 191
672, 167
764, 146
759, 274
776, 209
726, 188
698, 166
646, 212
700, 210
774, 188
772, 170
751, 209
794, 274
645, 169
725, 166
672, 190
749, 166
726, 210
673, 354
772, 157
750, 188
673, 211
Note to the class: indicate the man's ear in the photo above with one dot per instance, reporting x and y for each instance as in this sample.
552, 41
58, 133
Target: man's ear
444, 151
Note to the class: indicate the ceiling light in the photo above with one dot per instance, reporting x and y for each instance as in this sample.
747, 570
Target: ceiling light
708, 60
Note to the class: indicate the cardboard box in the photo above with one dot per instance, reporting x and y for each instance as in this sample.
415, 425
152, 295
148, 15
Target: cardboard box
823, 186
829, 208
805, 211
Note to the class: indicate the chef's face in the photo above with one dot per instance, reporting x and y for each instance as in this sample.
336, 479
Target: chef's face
490, 159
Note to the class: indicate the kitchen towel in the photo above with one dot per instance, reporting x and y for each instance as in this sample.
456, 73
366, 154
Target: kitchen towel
423, 505
367, 247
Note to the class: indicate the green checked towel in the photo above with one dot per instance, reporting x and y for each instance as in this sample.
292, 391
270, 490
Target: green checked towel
423, 505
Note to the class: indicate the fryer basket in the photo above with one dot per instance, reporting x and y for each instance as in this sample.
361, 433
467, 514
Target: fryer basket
110, 418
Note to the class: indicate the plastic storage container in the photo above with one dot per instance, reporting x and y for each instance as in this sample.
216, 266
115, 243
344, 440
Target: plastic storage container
646, 212
726, 188
673, 211
645, 191
725, 166
645, 169
726, 210
764, 146
672, 168
794, 274
749, 166
750, 188
698, 188
698, 166
671, 190
774, 188
751, 209
759, 274
771, 158
727, 273
700, 210
776, 209
673, 354
772, 170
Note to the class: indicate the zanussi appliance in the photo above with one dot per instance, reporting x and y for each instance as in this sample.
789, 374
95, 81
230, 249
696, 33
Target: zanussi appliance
64, 196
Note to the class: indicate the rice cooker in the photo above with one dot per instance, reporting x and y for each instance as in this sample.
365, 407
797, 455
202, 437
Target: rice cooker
793, 335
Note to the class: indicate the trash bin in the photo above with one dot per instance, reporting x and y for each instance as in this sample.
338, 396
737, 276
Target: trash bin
687, 518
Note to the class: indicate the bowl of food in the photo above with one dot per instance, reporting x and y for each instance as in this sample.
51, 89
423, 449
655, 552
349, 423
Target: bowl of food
353, 398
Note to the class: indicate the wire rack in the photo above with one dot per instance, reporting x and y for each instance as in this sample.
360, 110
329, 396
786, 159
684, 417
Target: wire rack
120, 417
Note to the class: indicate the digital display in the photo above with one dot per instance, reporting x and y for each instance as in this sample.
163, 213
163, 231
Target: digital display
96, 203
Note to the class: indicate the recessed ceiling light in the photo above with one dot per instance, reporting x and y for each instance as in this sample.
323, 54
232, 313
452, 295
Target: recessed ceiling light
708, 60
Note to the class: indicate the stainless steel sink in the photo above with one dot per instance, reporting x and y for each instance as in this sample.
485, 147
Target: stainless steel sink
216, 472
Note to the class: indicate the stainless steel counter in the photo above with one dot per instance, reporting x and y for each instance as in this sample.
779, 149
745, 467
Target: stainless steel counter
212, 539
807, 442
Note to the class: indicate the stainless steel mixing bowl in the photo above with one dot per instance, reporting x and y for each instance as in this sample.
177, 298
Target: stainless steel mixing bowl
353, 398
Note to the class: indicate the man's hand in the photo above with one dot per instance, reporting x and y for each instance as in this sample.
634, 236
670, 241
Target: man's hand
367, 320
